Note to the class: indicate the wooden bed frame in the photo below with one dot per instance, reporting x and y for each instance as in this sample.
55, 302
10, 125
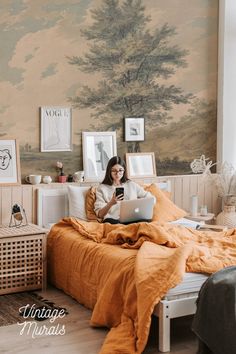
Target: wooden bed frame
52, 205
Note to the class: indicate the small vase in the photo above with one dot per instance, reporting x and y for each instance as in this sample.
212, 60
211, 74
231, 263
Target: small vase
227, 217
47, 179
62, 179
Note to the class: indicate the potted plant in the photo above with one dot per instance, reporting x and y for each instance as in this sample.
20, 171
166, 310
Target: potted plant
61, 177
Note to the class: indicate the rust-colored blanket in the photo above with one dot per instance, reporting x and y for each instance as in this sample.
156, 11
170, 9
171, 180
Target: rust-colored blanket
122, 271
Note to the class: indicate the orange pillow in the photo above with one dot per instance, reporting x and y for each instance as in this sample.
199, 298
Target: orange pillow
89, 204
166, 193
164, 210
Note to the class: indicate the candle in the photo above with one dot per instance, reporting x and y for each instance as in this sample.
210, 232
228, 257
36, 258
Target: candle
194, 205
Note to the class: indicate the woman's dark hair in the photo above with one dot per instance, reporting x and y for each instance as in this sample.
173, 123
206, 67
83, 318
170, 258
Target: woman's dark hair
115, 160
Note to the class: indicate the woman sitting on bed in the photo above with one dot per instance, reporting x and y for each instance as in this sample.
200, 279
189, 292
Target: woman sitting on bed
106, 205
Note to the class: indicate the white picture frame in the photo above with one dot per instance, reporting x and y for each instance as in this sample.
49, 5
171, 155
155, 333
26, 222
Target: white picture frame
140, 165
98, 148
9, 162
134, 129
56, 128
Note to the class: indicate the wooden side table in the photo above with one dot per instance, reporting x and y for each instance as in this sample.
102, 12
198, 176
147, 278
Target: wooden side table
208, 219
22, 259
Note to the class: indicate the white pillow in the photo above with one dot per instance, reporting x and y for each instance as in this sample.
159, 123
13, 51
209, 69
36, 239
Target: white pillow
77, 201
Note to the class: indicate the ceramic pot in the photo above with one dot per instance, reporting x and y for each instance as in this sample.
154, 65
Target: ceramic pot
62, 179
227, 217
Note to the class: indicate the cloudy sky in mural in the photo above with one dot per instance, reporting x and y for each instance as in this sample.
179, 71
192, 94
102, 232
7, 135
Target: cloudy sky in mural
37, 36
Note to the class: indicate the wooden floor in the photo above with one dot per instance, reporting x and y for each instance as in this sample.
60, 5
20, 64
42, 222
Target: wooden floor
80, 338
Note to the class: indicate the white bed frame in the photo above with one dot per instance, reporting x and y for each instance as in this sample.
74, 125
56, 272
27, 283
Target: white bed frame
167, 309
52, 205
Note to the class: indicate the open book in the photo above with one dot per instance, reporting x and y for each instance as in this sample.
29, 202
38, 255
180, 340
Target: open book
189, 223
199, 225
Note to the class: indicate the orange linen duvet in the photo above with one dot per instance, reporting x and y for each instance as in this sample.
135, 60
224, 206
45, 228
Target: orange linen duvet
122, 271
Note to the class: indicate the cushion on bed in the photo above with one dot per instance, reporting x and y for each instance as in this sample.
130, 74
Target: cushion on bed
167, 193
164, 209
89, 204
76, 197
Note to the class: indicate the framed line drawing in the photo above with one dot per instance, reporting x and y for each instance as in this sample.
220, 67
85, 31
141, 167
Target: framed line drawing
56, 128
134, 129
9, 162
140, 165
98, 148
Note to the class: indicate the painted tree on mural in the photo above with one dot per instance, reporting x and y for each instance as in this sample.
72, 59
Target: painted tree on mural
133, 63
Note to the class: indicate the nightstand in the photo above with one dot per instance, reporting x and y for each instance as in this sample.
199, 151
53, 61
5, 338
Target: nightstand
208, 219
22, 258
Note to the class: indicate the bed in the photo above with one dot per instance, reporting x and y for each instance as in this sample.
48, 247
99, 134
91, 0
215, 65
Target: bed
121, 258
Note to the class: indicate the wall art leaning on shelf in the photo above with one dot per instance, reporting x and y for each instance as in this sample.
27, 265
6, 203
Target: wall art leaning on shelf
140, 165
9, 162
98, 148
134, 129
56, 129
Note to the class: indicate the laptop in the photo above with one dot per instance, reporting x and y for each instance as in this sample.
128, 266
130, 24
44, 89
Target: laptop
136, 210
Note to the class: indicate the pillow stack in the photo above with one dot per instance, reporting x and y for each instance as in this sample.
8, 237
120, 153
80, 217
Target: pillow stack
82, 199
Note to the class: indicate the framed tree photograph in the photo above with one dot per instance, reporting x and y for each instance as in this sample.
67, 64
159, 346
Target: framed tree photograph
56, 129
134, 129
9, 162
98, 148
140, 165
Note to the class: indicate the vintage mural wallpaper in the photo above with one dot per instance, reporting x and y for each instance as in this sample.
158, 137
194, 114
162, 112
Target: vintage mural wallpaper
107, 60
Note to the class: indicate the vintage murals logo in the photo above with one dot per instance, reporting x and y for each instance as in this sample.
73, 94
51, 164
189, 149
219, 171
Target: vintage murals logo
33, 329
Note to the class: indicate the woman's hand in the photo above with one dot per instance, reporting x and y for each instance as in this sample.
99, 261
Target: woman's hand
116, 199
102, 212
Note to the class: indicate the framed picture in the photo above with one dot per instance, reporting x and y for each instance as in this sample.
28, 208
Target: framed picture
9, 162
134, 129
140, 165
56, 129
98, 148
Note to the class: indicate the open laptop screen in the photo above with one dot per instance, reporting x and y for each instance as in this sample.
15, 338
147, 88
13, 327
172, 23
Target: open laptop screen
136, 209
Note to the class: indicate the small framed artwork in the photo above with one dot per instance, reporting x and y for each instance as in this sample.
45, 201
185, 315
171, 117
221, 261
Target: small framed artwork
98, 148
9, 162
140, 165
56, 129
134, 129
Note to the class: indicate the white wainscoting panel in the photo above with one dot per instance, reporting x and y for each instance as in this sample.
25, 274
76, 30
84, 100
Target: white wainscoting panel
182, 187
15, 194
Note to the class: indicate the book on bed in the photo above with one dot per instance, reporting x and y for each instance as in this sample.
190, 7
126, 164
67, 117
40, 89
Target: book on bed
189, 223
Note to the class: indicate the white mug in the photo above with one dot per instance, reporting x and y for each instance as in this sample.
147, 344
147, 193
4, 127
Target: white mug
47, 179
78, 176
33, 179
